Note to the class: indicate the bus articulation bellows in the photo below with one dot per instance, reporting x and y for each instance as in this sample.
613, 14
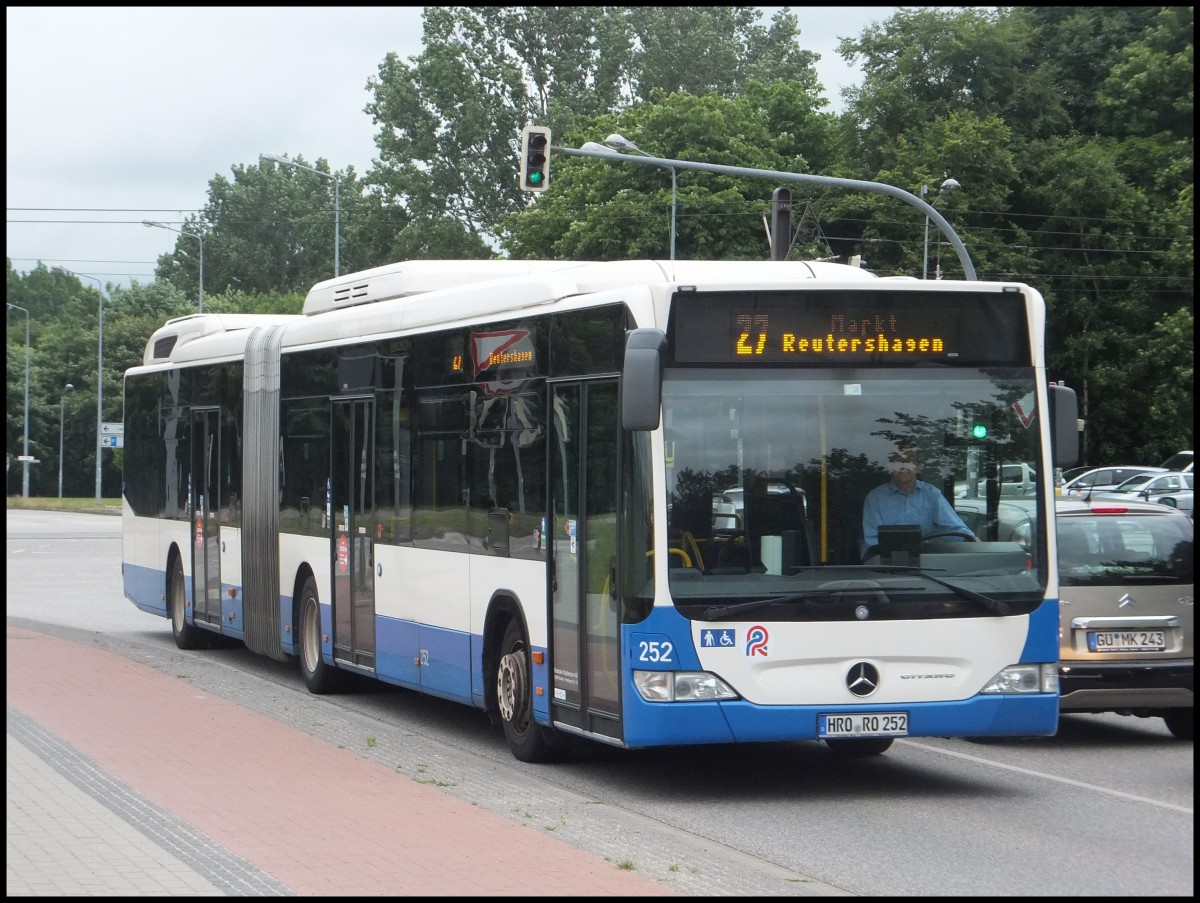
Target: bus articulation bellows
620, 501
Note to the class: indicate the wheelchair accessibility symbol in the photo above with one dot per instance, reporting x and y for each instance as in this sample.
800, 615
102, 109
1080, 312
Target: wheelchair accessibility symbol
713, 638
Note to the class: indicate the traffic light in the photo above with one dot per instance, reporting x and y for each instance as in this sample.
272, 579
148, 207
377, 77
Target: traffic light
535, 158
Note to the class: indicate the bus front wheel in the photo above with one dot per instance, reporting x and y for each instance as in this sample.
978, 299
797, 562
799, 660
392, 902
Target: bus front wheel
319, 677
529, 741
187, 636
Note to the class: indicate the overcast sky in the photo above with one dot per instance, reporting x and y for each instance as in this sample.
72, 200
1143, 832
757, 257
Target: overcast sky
117, 114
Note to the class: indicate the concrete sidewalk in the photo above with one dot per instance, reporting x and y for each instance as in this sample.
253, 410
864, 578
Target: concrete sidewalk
124, 780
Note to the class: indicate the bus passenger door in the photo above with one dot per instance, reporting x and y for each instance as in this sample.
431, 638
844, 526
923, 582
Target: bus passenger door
585, 651
353, 508
205, 501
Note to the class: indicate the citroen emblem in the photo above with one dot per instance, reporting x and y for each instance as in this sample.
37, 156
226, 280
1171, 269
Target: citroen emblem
1125, 601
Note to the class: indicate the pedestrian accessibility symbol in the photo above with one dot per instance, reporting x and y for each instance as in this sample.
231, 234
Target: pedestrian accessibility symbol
722, 637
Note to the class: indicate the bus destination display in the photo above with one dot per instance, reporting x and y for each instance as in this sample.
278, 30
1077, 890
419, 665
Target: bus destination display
855, 327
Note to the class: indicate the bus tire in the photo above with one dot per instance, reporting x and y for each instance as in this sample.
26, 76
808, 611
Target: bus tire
319, 677
858, 749
528, 740
187, 636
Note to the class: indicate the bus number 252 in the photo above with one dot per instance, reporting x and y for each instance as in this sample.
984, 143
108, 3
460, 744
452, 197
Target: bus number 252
655, 651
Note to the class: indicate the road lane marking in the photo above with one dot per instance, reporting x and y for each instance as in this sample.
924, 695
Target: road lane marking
1186, 810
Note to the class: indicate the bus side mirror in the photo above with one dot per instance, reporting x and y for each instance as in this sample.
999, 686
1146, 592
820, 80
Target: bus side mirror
1064, 425
641, 379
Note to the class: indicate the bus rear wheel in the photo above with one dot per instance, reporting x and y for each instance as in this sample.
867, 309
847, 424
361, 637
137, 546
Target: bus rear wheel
529, 741
187, 636
319, 677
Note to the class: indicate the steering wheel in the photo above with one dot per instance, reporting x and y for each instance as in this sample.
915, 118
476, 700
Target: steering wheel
965, 534
969, 537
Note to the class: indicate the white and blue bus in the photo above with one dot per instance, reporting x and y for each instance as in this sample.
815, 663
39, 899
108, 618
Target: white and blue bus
614, 500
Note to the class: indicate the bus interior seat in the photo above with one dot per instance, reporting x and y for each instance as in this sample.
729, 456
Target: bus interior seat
782, 515
734, 554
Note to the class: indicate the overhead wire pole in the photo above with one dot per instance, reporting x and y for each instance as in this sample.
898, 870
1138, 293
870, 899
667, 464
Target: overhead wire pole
337, 204
62, 401
25, 459
99, 384
591, 149
946, 187
615, 141
195, 235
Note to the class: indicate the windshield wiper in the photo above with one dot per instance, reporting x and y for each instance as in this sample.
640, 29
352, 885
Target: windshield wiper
720, 612
1000, 608
717, 612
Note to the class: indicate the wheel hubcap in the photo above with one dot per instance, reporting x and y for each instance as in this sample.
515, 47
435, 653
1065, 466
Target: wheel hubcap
177, 603
309, 643
511, 683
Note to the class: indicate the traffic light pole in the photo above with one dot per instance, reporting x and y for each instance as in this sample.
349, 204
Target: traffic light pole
929, 210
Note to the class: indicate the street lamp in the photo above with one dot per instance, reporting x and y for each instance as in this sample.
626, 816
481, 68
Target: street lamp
948, 186
99, 382
150, 222
25, 459
618, 142
61, 401
337, 204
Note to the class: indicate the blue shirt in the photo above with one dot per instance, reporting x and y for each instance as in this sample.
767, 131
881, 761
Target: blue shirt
924, 506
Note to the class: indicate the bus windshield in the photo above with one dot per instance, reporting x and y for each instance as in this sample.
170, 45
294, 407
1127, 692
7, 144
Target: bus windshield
769, 469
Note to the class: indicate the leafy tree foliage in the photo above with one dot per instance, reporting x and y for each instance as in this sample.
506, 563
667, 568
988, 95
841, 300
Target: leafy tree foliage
272, 226
600, 210
1082, 188
450, 121
714, 50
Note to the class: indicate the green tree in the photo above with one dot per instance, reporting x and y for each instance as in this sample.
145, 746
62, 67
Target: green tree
450, 120
714, 50
1163, 361
1149, 88
1070, 132
272, 227
604, 211
1081, 46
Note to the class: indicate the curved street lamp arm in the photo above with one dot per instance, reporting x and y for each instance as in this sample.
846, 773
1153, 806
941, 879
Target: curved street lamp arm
929, 210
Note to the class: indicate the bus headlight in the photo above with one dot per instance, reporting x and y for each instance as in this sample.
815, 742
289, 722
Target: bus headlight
681, 686
1024, 679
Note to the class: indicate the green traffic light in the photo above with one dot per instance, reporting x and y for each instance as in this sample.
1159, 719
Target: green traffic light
535, 178
979, 431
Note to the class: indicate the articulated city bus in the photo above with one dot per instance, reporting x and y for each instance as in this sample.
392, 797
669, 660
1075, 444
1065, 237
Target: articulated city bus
614, 500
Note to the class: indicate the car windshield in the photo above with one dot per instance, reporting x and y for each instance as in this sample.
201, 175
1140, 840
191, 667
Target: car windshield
1103, 549
1133, 484
1178, 461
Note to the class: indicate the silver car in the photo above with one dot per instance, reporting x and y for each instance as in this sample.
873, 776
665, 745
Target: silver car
1174, 489
1098, 479
1125, 612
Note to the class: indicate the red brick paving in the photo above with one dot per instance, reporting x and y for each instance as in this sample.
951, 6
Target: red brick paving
320, 819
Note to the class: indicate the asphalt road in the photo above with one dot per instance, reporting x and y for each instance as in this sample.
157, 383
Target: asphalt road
1103, 808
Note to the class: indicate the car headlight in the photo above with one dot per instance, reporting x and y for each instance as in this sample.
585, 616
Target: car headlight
1024, 679
681, 686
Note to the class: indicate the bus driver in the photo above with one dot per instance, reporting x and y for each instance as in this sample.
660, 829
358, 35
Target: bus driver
907, 500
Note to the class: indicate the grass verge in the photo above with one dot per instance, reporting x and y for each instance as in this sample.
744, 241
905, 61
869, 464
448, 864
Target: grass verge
89, 506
